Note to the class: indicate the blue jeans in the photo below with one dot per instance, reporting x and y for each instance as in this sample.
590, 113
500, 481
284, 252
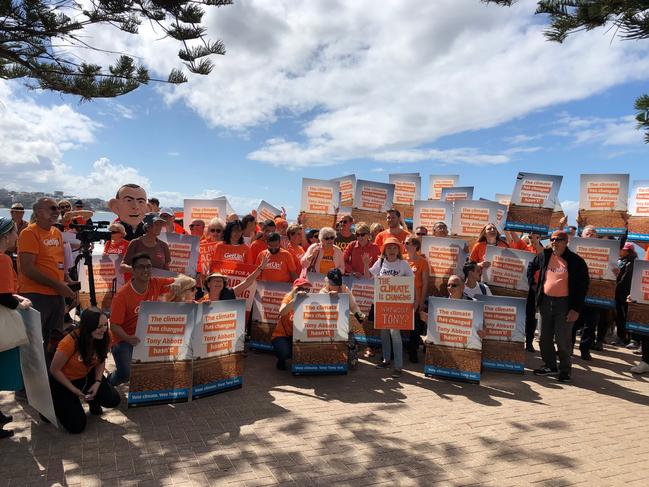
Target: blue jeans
122, 354
283, 347
387, 347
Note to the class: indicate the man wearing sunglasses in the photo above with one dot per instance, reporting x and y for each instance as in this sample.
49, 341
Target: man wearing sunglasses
42, 277
560, 295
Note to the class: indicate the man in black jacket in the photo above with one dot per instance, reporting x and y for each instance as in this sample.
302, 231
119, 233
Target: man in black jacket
560, 294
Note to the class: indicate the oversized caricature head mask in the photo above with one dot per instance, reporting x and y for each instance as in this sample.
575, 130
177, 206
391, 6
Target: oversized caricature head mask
130, 204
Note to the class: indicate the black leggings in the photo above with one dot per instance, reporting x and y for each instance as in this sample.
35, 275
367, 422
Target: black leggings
67, 406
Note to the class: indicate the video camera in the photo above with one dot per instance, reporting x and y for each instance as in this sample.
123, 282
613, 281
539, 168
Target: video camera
91, 232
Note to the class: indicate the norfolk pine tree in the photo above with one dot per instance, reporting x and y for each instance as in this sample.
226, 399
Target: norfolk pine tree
42, 42
627, 19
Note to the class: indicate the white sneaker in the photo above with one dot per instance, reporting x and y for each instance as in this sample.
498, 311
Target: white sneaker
641, 368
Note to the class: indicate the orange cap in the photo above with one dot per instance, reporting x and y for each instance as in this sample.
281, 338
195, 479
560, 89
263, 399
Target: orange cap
390, 240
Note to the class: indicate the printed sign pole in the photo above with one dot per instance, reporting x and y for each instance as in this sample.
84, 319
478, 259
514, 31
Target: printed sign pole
453, 346
504, 333
532, 202
637, 320
639, 210
394, 298
601, 257
603, 202
161, 367
217, 347
320, 334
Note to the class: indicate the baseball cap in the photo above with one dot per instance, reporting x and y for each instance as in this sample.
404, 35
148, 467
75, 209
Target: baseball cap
78, 203
18, 206
151, 218
167, 211
301, 282
335, 277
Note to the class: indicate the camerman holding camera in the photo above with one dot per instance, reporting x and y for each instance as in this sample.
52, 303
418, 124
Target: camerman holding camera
41, 272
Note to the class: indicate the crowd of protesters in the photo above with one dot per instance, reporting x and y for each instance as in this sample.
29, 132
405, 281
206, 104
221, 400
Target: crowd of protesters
42, 276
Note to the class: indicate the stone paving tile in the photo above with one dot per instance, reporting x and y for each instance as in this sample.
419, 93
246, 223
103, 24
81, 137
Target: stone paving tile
356, 430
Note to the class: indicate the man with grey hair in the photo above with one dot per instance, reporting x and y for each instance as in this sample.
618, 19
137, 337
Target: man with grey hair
42, 277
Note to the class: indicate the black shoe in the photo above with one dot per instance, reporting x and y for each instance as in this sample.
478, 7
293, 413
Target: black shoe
599, 346
6, 433
281, 365
95, 409
586, 356
383, 364
530, 348
564, 377
545, 371
4, 419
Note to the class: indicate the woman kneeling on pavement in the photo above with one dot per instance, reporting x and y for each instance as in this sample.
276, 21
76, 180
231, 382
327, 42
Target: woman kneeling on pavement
77, 372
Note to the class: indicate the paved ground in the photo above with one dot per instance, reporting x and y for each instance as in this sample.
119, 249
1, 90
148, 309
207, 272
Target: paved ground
360, 429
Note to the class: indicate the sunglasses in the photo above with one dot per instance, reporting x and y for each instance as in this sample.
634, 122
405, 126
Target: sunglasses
362, 234
420, 234
65, 207
215, 230
192, 225
328, 238
53, 208
451, 285
115, 231
555, 239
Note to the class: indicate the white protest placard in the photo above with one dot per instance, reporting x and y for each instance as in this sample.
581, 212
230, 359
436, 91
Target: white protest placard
429, 212
373, 196
407, 188
202, 209
184, 252
320, 196
508, 267
437, 182
457, 193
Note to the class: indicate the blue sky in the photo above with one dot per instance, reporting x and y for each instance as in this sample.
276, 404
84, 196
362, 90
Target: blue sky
472, 90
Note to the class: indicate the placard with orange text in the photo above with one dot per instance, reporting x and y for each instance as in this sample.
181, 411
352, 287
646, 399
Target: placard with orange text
266, 211
504, 333
236, 273
347, 188
217, 347
320, 196
373, 196
638, 315
601, 257
429, 212
508, 268
161, 362
184, 252
639, 210
470, 217
204, 210
457, 193
407, 188
105, 270
394, 298
604, 194
453, 346
437, 182
265, 312
446, 256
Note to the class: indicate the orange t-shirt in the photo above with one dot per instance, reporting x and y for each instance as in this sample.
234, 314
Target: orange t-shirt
327, 262
556, 278
279, 266
47, 245
256, 248
74, 368
479, 250
284, 326
401, 237
297, 252
9, 281
232, 253
419, 265
126, 303
116, 248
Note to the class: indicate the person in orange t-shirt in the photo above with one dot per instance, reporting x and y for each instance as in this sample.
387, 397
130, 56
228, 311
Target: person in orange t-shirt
258, 245
117, 244
77, 372
489, 235
396, 228
280, 265
232, 249
295, 235
125, 308
282, 338
41, 267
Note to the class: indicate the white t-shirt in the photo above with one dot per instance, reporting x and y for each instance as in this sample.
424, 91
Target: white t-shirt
476, 290
397, 268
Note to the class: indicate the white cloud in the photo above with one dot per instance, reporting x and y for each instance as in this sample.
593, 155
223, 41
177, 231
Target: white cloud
241, 204
470, 156
616, 131
521, 138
